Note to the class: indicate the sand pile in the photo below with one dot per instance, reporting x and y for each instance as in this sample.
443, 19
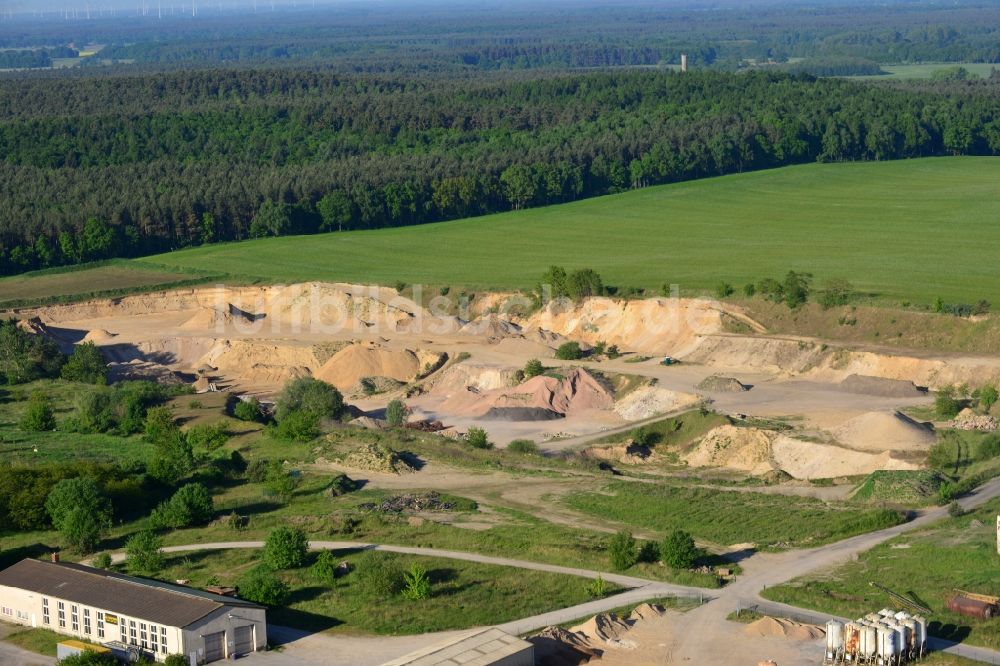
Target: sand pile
370, 423
223, 318
462, 377
375, 457
720, 384
812, 460
884, 431
880, 386
137, 370
770, 627
98, 336
492, 327
647, 401
603, 628
628, 454
746, 449
555, 646
258, 361
348, 366
539, 398
202, 385
653, 326
367, 386
646, 612
336, 307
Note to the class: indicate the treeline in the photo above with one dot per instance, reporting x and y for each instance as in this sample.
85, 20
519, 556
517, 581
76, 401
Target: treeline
173, 160
34, 58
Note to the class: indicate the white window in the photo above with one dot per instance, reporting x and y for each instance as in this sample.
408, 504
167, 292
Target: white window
74, 614
22, 615
62, 613
6, 611
131, 633
154, 637
86, 621
45, 611
144, 641
163, 640
100, 624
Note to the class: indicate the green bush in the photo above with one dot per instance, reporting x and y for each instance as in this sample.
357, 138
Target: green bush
724, 290
208, 437
172, 458
79, 511
102, 560
524, 447
176, 660
324, 569
955, 510
678, 550
416, 583
286, 548
477, 438
988, 448
262, 586
25, 356
379, 574
249, 410
649, 551
296, 426
598, 588
533, 368
622, 550
90, 658
395, 413
38, 416
836, 292
280, 482
86, 364
256, 471
947, 402
310, 396
569, 351
988, 397
191, 505
144, 553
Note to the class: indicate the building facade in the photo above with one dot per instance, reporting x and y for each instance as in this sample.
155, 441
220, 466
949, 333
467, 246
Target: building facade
130, 615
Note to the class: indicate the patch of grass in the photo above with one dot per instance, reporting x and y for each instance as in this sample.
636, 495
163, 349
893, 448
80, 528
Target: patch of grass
926, 70
895, 211
925, 565
676, 431
907, 487
41, 641
723, 517
744, 616
463, 594
104, 279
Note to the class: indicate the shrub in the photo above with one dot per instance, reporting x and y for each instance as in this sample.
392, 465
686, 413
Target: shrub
296, 426
597, 588
749, 290
395, 413
286, 548
279, 482
524, 447
613, 352
622, 550
208, 436
400, 287
724, 290
256, 471
172, 458
261, 585
836, 292
324, 569
645, 437
955, 510
25, 356
89, 658
102, 560
988, 397
678, 550
416, 584
477, 438
249, 410
38, 416
191, 505
310, 396
176, 660
989, 448
796, 289
86, 364
379, 574
600, 348
947, 403
649, 551
533, 368
144, 553
569, 351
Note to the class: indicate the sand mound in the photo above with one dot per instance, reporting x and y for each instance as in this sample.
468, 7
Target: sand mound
770, 627
257, 361
369, 423
746, 449
219, 319
98, 336
603, 627
492, 327
462, 377
629, 454
137, 370
367, 386
351, 364
888, 388
721, 384
882, 431
318, 305
555, 646
378, 458
202, 385
539, 398
646, 612
648, 401
812, 460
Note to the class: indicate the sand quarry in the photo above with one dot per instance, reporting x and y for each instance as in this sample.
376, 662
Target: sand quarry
465, 370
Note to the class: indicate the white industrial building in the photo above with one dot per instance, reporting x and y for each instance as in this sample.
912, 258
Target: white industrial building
130, 615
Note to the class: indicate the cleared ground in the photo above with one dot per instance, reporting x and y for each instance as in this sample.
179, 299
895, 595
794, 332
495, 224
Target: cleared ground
927, 70
896, 229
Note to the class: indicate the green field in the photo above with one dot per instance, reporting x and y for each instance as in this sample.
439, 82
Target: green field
905, 230
925, 565
926, 70
114, 278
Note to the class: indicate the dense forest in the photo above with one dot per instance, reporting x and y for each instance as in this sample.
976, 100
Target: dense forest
141, 164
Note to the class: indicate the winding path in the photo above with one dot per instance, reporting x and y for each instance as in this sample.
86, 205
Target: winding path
759, 571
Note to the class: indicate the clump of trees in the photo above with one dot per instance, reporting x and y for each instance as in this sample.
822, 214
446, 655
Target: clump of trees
25, 356
79, 511
38, 415
477, 438
569, 351
575, 285
533, 368
144, 553
86, 364
286, 548
191, 505
303, 404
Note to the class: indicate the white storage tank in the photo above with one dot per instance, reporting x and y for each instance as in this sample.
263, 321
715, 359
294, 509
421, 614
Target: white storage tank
913, 644
869, 642
885, 612
902, 637
921, 638
834, 638
902, 615
887, 647
852, 639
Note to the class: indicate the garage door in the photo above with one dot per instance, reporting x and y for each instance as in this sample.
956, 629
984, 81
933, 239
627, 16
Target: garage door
215, 646
244, 640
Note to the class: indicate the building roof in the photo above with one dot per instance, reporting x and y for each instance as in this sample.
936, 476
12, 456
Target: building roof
480, 648
150, 600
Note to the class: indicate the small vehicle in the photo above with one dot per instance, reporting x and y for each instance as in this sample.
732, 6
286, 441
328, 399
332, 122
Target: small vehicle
669, 360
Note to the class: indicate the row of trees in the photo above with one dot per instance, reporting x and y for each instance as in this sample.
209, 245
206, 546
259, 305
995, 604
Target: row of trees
308, 152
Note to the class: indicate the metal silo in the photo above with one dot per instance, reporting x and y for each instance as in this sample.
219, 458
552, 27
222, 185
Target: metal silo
852, 640
834, 640
869, 643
